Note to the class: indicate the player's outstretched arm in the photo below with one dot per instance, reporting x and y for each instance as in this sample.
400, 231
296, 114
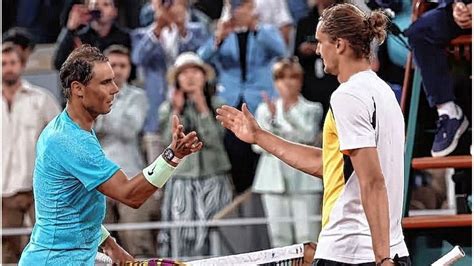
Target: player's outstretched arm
303, 157
136, 191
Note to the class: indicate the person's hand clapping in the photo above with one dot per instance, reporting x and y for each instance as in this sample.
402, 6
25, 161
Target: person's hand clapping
270, 104
163, 19
178, 13
224, 28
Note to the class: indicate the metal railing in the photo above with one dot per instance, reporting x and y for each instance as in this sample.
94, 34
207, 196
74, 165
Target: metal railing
213, 224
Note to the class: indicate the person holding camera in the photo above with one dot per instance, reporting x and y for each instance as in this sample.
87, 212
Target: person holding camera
201, 184
154, 48
90, 23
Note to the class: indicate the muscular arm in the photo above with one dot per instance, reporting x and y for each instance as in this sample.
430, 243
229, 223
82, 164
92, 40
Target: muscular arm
374, 198
136, 191
302, 157
133, 192
305, 158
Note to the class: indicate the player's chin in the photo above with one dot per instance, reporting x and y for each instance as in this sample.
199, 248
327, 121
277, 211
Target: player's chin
328, 70
106, 109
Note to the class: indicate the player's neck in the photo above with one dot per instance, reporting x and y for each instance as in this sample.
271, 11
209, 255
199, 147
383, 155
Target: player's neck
80, 115
351, 67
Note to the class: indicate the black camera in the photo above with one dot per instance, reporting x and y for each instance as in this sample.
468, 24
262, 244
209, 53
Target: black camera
95, 14
167, 3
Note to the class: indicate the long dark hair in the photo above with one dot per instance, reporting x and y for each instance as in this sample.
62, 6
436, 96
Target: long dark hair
209, 91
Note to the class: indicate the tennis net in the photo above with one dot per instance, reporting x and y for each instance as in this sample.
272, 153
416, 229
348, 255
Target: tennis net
294, 255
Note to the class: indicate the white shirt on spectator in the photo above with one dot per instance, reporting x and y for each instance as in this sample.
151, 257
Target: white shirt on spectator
31, 110
274, 12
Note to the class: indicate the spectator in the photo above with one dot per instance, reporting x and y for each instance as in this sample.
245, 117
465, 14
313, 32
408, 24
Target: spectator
129, 13
26, 111
428, 36
121, 145
100, 29
298, 9
155, 48
41, 18
317, 85
201, 184
148, 13
22, 40
242, 52
276, 12
127, 17
286, 191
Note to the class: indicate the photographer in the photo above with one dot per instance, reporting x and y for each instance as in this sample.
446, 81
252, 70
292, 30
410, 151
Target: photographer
97, 18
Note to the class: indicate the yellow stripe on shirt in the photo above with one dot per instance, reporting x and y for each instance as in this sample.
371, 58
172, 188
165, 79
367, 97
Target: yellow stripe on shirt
333, 165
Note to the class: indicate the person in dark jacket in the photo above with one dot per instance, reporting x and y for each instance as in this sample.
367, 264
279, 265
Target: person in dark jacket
317, 85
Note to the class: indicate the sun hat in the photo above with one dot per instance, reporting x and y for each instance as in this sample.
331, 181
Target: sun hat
188, 59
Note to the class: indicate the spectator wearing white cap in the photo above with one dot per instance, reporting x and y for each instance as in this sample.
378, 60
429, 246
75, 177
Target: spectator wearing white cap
201, 184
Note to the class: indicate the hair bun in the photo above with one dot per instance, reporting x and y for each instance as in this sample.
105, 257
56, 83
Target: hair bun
377, 22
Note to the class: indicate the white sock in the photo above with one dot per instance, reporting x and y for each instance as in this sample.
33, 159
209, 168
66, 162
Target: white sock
450, 109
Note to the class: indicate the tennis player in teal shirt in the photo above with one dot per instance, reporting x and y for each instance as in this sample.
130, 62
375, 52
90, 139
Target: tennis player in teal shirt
72, 175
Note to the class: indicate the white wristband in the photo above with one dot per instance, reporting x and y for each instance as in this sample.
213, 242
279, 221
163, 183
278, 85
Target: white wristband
158, 172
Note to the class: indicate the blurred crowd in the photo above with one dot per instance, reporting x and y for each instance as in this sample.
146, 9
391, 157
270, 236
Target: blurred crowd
188, 57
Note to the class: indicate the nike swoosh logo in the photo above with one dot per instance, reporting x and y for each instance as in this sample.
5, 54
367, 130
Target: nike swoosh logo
152, 170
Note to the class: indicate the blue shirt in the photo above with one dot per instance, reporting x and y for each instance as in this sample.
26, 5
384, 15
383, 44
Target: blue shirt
70, 165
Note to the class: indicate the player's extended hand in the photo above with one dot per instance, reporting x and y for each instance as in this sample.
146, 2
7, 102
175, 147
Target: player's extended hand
116, 252
183, 144
242, 123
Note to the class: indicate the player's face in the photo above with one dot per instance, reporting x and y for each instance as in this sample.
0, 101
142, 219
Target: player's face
98, 95
191, 79
327, 50
11, 68
121, 66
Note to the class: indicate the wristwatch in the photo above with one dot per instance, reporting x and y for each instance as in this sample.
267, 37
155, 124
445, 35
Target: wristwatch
168, 154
